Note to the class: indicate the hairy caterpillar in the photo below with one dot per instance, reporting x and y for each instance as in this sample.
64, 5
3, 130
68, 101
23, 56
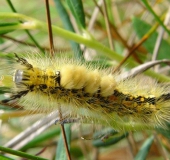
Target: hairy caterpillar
89, 93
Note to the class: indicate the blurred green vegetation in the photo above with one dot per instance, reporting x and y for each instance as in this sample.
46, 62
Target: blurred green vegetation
105, 39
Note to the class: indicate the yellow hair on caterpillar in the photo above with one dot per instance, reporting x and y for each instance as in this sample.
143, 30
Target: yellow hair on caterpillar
88, 93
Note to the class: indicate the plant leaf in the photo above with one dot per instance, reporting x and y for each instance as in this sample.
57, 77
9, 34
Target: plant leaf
110, 141
141, 28
7, 25
77, 10
61, 152
68, 25
144, 150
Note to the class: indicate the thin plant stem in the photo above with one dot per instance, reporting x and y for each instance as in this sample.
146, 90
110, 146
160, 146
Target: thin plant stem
64, 136
107, 25
21, 154
33, 45
52, 54
50, 34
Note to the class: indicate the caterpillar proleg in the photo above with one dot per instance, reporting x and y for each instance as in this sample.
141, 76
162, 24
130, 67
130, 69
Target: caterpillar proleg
89, 93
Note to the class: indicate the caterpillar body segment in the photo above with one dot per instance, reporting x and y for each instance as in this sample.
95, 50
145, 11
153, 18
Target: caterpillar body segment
89, 93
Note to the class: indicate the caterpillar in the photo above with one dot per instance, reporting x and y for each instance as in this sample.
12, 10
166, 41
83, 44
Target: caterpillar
88, 92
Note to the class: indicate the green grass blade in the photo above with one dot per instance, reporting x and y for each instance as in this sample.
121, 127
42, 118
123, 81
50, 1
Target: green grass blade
5, 158
41, 138
116, 138
144, 150
61, 151
77, 10
7, 25
68, 25
20, 154
155, 15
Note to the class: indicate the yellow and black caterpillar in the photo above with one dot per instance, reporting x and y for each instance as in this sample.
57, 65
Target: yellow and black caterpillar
89, 93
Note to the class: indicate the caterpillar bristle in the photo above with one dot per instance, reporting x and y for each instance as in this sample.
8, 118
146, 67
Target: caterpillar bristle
89, 93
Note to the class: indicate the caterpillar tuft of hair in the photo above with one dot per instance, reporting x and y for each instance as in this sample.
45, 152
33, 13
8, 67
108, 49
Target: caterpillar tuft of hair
89, 93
